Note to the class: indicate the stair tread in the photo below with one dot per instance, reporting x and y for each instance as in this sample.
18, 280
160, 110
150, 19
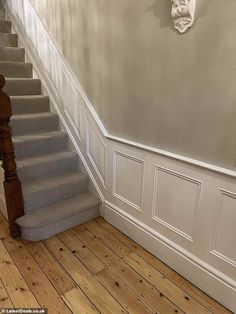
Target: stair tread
22, 86
30, 161
36, 136
34, 115
58, 211
15, 63
21, 79
6, 33
53, 182
27, 96
14, 54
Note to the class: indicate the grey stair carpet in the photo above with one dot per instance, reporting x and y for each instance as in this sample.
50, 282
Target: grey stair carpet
29, 104
40, 143
34, 123
12, 54
16, 69
22, 86
56, 194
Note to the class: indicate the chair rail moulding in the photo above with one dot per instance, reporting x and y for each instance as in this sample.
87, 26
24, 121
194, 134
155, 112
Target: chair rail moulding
182, 13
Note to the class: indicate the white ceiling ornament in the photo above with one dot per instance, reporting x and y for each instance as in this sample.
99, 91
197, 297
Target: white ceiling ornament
183, 14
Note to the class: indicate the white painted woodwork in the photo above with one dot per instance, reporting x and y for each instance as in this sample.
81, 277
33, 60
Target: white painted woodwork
128, 172
171, 207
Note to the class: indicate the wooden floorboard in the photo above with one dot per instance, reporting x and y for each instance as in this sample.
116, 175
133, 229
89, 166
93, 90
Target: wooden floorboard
93, 268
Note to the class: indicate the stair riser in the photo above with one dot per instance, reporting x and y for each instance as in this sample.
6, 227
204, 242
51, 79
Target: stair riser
17, 70
47, 169
37, 234
22, 87
12, 54
34, 125
33, 105
5, 27
8, 40
50, 196
40, 146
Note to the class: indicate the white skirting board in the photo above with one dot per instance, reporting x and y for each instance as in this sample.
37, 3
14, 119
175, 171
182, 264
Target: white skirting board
181, 210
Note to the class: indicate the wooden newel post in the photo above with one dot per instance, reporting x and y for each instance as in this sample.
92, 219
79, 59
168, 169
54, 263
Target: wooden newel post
12, 185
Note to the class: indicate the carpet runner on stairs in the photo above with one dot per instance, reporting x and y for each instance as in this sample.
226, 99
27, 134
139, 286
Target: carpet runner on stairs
56, 193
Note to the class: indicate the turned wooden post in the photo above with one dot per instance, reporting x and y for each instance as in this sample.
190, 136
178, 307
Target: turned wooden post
12, 185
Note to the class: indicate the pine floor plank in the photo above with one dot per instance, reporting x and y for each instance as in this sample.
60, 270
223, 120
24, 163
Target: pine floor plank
165, 286
183, 300
71, 295
78, 248
50, 266
5, 301
117, 287
115, 245
117, 234
39, 284
146, 292
13, 281
125, 295
100, 297
78, 302
35, 278
177, 279
87, 236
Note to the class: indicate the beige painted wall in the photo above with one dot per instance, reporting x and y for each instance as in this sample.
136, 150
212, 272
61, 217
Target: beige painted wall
148, 83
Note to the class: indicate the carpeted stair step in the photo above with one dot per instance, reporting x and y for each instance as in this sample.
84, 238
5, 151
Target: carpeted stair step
29, 104
47, 221
51, 190
16, 69
38, 144
34, 123
5, 26
2, 14
22, 86
49, 165
8, 40
12, 54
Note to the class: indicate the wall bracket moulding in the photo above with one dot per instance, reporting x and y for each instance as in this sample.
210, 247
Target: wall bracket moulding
183, 14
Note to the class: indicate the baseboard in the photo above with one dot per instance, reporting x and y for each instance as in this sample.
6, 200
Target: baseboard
208, 279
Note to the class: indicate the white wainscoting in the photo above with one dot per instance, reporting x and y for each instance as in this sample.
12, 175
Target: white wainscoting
180, 209
171, 207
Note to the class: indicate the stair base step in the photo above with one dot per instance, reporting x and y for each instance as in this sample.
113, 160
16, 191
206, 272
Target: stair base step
47, 221
45, 232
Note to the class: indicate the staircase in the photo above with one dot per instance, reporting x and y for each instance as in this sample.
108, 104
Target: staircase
56, 194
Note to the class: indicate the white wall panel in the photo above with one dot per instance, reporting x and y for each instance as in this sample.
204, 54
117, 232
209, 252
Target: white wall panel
224, 242
96, 150
176, 201
128, 176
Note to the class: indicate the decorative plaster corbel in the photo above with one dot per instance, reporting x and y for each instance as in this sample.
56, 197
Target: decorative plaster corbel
183, 14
